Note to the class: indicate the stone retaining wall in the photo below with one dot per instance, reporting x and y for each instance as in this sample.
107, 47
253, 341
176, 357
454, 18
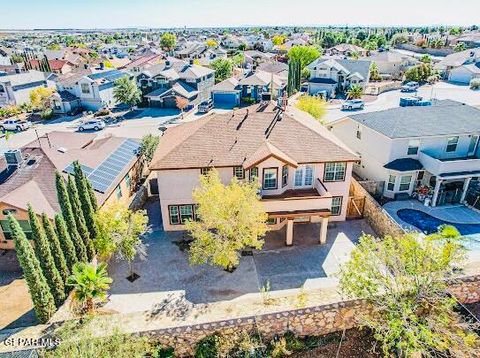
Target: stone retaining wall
374, 214
315, 321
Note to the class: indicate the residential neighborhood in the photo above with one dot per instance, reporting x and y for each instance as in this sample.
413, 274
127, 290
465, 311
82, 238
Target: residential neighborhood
187, 185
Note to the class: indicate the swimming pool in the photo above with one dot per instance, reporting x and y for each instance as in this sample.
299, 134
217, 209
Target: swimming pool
429, 224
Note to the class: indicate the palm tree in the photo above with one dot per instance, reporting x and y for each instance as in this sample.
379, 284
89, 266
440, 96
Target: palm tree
354, 92
90, 284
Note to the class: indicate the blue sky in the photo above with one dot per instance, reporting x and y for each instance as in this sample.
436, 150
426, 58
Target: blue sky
21, 14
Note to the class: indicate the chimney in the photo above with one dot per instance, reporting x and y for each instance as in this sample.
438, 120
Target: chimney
167, 64
102, 65
85, 66
191, 61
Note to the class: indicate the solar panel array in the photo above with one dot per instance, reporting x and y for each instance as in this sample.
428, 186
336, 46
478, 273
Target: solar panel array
103, 176
86, 170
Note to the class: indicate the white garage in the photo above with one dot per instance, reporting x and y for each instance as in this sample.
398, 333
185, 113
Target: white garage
464, 74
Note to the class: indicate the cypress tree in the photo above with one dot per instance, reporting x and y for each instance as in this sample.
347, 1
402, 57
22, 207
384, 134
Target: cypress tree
43, 302
85, 200
67, 213
65, 241
44, 255
55, 248
79, 219
93, 198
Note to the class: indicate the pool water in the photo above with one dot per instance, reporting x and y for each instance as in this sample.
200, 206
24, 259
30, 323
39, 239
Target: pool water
429, 224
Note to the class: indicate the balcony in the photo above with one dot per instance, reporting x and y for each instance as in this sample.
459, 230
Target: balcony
299, 200
438, 166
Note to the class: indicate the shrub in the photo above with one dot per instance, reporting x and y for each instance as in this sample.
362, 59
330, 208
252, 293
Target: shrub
312, 105
475, 83
207, 347
47, 113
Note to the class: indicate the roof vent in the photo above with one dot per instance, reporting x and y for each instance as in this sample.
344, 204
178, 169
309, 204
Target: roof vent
13, 157
62, 149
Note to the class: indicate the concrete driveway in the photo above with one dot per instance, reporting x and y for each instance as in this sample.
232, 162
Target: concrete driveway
166, 271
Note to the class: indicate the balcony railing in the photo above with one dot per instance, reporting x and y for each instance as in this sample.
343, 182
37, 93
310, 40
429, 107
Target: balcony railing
438, 166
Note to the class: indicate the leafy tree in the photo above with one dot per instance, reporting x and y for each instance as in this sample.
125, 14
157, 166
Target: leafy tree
374, 73
278, 40
426, 59
126, 91
230, 218
79, 218
54, 46
329, 40
85, 199
120, 230
355, 91
67, 213
55, 248
40, 97
314, 106
223, 69
65, 241
43, 301
242, 46
44, 255
168, 41
304, 54
90, 284
149, 146
404, 281
211, 43
239, 59
419, 73
460, 47
455, 31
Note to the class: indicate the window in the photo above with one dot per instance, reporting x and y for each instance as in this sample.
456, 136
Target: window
335, 171
284, 176
85, 88
413, 147
405, 182
336, 205
239, 173
24, 224
186, 213
472, 147
452, 143
173, 213
304, 175
270, 178
205, 170
128, 181
391, 182
253, 173
118, 192
9, 211
179, 214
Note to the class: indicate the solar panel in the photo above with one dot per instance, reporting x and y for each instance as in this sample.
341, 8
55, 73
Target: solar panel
103, 176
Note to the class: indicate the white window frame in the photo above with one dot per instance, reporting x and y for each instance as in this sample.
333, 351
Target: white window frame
337, 202
302, 174
333, 168
271, 171
412, 144
449, 140
391, 182
239, 173
405, 183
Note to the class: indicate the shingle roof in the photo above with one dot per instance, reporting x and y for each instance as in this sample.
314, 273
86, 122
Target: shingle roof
23, 78
229, 139
349, 66
443, 118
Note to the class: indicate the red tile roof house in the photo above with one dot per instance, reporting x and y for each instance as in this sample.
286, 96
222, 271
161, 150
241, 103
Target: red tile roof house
31, 179
56, 66
305, 172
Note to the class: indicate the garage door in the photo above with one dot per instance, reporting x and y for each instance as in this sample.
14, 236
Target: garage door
170, 102
460, 75
225, 99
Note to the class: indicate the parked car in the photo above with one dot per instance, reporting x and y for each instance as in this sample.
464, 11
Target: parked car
95, 124
353, 104
205, 106
410, 87
15, 125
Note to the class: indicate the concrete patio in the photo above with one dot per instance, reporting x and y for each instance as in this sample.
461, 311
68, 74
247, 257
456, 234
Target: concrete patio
166, 272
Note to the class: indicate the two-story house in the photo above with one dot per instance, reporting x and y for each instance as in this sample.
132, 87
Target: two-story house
461, 67
15, 89
304, 172
163, 83
410, 147
332, 76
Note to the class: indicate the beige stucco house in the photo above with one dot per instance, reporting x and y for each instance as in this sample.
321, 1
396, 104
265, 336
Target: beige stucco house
304, 170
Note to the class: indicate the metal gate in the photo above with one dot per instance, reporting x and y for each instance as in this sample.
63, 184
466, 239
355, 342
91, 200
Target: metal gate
355, 207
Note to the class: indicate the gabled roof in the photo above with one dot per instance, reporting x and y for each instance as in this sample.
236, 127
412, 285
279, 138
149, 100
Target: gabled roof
228, 85
262, 78
442, 118
23, 78
265, 151
231, 138
362, 67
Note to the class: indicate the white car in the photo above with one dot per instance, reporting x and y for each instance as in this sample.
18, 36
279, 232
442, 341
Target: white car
353, 104
15, 125
410, 87
95, 124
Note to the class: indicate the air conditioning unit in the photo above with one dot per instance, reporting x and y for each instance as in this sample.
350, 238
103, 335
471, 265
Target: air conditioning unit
13, 157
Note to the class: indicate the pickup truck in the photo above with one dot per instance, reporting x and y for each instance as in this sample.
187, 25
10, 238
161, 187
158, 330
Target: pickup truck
15, 125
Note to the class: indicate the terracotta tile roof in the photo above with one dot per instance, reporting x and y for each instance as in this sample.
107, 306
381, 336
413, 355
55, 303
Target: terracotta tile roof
230, 139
